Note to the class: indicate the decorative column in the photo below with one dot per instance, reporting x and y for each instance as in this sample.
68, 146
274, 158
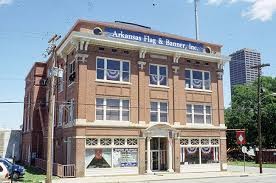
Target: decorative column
170, 153
148, 156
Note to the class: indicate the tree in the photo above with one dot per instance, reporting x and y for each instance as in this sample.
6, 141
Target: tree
243, 113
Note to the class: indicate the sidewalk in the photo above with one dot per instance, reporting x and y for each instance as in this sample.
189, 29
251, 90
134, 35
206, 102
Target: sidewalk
146, 178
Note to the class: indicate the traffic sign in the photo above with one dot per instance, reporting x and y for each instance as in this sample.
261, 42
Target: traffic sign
244, 149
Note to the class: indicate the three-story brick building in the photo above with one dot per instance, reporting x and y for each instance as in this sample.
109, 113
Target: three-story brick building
132, 100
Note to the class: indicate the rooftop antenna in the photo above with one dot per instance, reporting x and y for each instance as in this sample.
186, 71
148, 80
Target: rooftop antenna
196, 18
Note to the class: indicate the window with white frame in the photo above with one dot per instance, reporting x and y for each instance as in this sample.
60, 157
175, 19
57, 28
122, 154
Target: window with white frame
108, 152
112, 109
199, 114
158, 75
109, 69
201, 152
158, 111
60, 115
196, 79
70, 111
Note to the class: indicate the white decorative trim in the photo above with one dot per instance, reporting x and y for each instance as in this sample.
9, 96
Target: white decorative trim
175, 69
199, 90
142, 122
126, 44
199, 143
75, 44
109, 141
113, 123
141, 64
80, 122
83, 57
223, 138
142, 53
79, 137
110, 81
203, 127
224, 166
176, 123
222, 126
176, 58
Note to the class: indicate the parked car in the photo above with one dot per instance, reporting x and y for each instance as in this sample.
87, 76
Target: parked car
4, 172
15, 171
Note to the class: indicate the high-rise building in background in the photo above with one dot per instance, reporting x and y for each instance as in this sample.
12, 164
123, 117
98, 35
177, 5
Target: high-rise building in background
241, 61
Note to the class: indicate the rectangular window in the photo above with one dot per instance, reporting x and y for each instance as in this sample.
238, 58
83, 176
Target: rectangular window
71, 72
113, 70
111, 157
199, 155
71, 111
197, 79
112, 109
60, 84
60, 115
158, 75
199, 114
159, 112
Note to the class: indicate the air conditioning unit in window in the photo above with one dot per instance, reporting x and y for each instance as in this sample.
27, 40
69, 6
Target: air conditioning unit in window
72, 76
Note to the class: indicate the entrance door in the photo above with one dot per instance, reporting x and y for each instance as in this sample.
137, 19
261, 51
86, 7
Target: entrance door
155, 160
158, 154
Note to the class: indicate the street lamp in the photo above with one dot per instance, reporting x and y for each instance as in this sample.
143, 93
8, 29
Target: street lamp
259, 68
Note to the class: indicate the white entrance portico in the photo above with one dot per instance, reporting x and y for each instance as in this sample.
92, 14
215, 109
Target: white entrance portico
159, 148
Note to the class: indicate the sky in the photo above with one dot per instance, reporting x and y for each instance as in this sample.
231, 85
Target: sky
26, 26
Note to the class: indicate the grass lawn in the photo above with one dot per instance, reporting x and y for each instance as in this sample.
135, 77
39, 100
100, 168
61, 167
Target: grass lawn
251, 163
33, 174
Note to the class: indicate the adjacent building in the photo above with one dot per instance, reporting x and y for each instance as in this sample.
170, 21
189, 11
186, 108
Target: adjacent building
241, 61
131, 101
10, 143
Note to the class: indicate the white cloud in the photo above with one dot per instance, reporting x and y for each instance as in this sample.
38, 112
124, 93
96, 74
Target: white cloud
5, 2
262, 10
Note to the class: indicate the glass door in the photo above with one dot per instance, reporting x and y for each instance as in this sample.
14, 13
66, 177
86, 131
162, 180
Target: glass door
155, 160
158, 154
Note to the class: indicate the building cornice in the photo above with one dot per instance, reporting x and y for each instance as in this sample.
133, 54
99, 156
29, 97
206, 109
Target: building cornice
132, 45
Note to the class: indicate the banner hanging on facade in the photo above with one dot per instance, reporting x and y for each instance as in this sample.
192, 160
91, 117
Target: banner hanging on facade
240, 136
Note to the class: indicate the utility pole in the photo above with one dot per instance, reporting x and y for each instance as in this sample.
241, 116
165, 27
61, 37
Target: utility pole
260, 157
196, 19
54, 72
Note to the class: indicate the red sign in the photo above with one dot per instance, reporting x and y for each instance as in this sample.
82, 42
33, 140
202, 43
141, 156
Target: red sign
240, 135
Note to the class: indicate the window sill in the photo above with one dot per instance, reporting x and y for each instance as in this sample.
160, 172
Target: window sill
159, 86
199, 125
111, 123
113, 82
200, 90
71, 84
155, 122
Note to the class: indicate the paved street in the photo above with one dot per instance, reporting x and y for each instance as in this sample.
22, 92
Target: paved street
249, 179
234, 174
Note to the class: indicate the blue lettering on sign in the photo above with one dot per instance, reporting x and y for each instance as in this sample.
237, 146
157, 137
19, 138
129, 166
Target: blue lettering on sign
153, 39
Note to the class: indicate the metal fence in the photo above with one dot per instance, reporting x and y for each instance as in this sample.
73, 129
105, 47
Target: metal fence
269, 156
